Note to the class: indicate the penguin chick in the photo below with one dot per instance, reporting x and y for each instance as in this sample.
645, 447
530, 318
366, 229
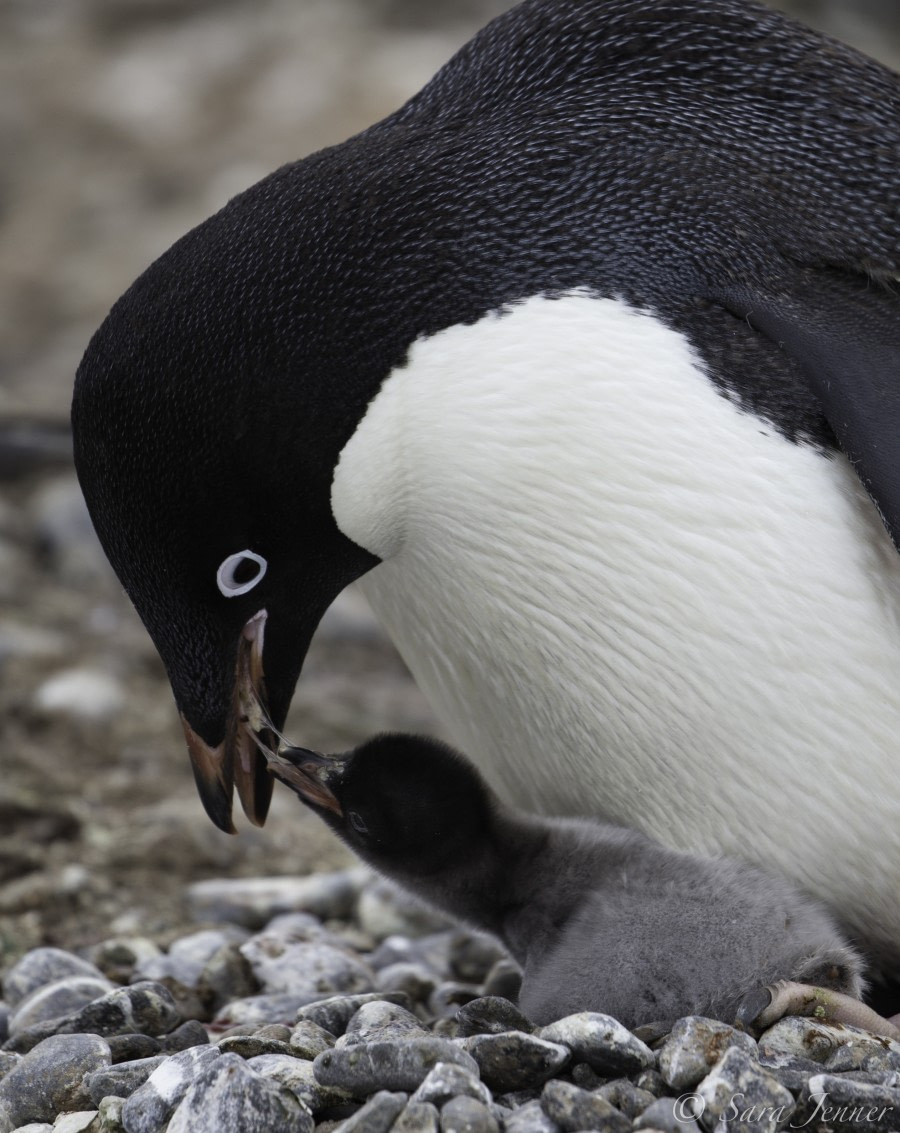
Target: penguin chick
599, 917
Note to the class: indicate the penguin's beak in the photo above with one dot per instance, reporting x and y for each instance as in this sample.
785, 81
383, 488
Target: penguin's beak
313, 776
238, 759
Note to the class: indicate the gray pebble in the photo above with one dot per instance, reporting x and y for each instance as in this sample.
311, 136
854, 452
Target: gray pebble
600, 1041
671, 1115
258, 1010
651, 1081
449, 996
793, 1073
334, 1013
467, 1115
9, 1060
254, 902
800, 1037
882, 1060
309, 970
841, 1104
150, 1106
447, 1028
517, 1098
448, 1080
188, 956
278, 1031
384, 909
652, 1034
860, 1048
377, 1115
29, 1037
890, 1078
4, 1021
414, 979
586, 1077
845, 1058
574, 1109
42, 966
308, 1039
119, 956
418, 1117
129, 1048
626, 1097
251, 1046
56, 1000
144, 1008
110, 1114
190, 1033
34, 1127
288, 928
473, 954
48, 1080
491, 1015
514, 1060
381, 1021
203, 971
737, 1086
530, 1118
504, 980
392, 1066
120, 1080
432, 951
297, 1075
228, 1095
226, 975
694, 1046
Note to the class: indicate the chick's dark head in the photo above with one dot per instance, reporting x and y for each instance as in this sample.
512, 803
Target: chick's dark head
398, 801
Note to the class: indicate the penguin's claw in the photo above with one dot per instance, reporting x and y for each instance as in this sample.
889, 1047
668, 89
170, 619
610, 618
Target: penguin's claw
753, 1008
763, 1006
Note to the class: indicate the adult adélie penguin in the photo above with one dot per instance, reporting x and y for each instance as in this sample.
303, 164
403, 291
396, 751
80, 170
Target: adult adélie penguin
587, 362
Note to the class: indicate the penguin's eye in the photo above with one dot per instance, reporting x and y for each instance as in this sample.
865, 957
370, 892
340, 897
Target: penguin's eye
356, 821
240, 572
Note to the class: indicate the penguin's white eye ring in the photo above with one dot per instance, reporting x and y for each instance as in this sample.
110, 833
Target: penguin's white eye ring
240, 572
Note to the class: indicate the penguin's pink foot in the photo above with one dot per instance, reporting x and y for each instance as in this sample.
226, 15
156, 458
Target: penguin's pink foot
764, 1006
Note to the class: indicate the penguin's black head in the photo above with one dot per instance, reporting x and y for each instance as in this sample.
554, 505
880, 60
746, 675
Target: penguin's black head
404, 803
208, 417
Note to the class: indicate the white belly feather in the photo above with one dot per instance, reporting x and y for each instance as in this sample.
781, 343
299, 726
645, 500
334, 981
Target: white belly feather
627, 598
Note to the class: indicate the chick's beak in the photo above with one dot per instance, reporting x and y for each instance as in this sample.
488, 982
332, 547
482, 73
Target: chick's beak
238, 760
314, 777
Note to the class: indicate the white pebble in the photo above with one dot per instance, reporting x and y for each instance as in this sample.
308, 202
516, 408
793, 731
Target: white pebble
85, 693
74, 1122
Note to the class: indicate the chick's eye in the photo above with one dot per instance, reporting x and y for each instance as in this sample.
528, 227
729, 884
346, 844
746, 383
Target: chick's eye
356, 821
240, 572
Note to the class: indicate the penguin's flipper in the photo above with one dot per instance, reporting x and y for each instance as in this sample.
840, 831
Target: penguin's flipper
843, 330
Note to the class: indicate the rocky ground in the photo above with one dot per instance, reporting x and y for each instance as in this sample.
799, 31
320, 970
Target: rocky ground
329, 1004
123, 123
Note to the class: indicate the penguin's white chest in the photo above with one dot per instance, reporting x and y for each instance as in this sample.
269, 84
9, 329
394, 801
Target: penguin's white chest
625, 597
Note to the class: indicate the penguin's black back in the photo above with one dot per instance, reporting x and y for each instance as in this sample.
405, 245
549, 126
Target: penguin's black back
677, 153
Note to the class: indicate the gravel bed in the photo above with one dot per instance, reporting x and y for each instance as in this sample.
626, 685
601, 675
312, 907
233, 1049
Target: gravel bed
331, 1002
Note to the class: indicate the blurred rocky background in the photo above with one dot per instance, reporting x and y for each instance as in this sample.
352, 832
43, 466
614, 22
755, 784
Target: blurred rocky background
122, 124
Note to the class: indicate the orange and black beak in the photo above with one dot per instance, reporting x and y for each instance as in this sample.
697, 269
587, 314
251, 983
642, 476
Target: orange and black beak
239, 760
